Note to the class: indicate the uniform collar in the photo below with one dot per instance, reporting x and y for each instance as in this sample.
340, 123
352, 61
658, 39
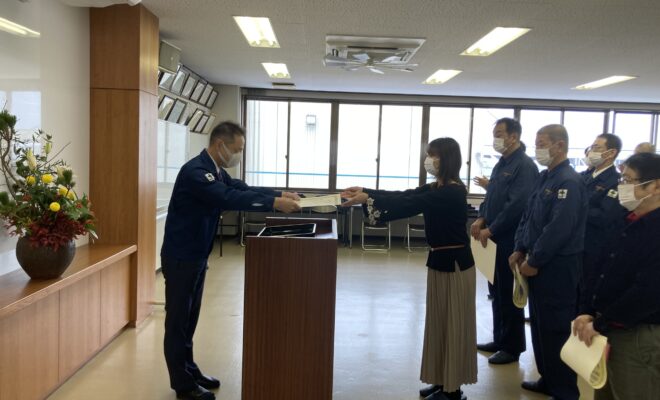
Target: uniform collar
560, 166
516, 154
209, 161
596, 173
652, 218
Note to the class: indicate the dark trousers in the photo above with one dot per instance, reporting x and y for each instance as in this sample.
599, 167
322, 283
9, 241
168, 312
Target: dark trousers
508, 320
552, 301
184, 285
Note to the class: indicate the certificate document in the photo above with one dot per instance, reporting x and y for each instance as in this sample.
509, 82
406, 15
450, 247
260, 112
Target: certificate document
318, 201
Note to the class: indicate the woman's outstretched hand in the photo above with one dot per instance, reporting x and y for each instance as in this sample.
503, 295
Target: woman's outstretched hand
353, 197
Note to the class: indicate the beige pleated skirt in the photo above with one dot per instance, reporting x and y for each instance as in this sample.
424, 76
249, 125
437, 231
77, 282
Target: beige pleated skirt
449, 357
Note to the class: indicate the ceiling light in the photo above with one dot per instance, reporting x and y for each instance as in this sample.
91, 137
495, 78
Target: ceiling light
277, 71
441, 76
604, 82
257, 31
16, 29
494, 40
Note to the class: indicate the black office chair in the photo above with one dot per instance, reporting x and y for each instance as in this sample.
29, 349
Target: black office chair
412, 227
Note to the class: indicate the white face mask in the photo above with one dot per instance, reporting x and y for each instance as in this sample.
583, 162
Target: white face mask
233, 160
430, 167
627, 195
595, 159
543, 157
498, 145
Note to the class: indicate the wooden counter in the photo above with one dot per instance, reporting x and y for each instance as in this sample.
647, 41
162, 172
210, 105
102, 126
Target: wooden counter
50, 328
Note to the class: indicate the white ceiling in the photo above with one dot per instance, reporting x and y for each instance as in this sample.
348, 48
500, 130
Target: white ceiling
571, 42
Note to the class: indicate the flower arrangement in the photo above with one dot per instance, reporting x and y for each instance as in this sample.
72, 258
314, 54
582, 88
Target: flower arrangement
39, 203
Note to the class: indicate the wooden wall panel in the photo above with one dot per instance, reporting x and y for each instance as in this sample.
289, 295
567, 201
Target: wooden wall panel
29, 341
115, 299
80, 323
149, 48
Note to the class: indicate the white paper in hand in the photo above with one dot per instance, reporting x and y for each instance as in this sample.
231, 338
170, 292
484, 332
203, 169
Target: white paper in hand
484, 258
318, 201
520, 289
588, 362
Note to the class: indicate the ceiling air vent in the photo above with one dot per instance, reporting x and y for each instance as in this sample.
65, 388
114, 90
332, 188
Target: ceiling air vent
283, 85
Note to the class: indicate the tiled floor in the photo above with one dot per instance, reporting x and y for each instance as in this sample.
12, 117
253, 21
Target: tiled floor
378, 338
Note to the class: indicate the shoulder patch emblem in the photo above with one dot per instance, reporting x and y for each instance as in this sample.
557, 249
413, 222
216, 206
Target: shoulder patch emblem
562, 193
209, 176
612, 193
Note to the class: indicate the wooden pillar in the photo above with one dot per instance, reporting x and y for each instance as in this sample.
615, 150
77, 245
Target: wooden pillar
123, 122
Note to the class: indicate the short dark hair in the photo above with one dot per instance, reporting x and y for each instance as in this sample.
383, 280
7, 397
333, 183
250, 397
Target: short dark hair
512, 126
611, 142
647, 166
449, 153
226, 131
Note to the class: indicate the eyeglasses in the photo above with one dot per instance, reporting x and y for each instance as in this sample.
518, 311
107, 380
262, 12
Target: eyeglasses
625, 179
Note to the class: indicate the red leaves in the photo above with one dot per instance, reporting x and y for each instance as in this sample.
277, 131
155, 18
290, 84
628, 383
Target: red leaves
55, 231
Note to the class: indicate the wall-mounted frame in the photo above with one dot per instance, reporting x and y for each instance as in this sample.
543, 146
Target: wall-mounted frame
211, 100
205, 95
209, 124
187, 113
189, 86
166, 80
177, 109
179, 80
165, 106
201, 124
199, 89
192, 123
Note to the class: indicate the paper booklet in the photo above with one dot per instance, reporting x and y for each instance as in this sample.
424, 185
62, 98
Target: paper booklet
319, 201
520, 289
588, 362
484, 258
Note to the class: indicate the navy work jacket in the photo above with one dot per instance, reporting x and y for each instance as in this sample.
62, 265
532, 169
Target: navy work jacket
511, 183
199, 196
555, 217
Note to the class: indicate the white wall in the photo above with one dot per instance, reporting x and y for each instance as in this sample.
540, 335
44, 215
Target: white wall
55, 67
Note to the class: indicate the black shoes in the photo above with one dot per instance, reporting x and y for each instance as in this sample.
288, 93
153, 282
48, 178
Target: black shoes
429, 390
502, 357
440, 395
490, 347
207, 382
198, 393
535, 386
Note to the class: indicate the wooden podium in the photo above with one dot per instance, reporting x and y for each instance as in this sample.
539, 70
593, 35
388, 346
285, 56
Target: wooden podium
289, 318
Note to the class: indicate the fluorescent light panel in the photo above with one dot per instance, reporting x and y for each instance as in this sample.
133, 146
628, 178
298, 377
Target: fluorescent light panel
441, 76
16, 29
494, 40
257, 31
276, 70
604, 82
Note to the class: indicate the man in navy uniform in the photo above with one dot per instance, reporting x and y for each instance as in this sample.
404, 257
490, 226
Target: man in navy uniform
510, 185
203, 189
606, 215
548, 250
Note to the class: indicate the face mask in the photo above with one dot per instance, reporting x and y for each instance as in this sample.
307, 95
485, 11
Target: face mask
543, 157
595, 159
429, 167
627, 195
234, 159
498, 145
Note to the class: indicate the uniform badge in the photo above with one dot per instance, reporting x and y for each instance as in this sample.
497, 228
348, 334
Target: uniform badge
562, 193
210, 177
612, 193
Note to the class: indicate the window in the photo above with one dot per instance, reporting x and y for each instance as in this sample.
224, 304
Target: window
633, 129
357, 150
582, 127
309, 145
453, 122
483, 156
400, 146
171, 152
266, 142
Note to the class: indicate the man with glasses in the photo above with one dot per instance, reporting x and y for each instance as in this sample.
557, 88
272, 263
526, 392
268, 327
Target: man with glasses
510, 185
605, 216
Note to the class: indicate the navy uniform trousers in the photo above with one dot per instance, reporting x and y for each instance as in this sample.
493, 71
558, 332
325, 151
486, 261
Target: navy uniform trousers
552, 306
508, 320
184, 285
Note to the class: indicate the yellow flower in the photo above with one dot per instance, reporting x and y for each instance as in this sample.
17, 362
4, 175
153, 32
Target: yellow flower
71, 195
48, 147
30, 180
47, 178
62, 190
31, 159
54, 206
